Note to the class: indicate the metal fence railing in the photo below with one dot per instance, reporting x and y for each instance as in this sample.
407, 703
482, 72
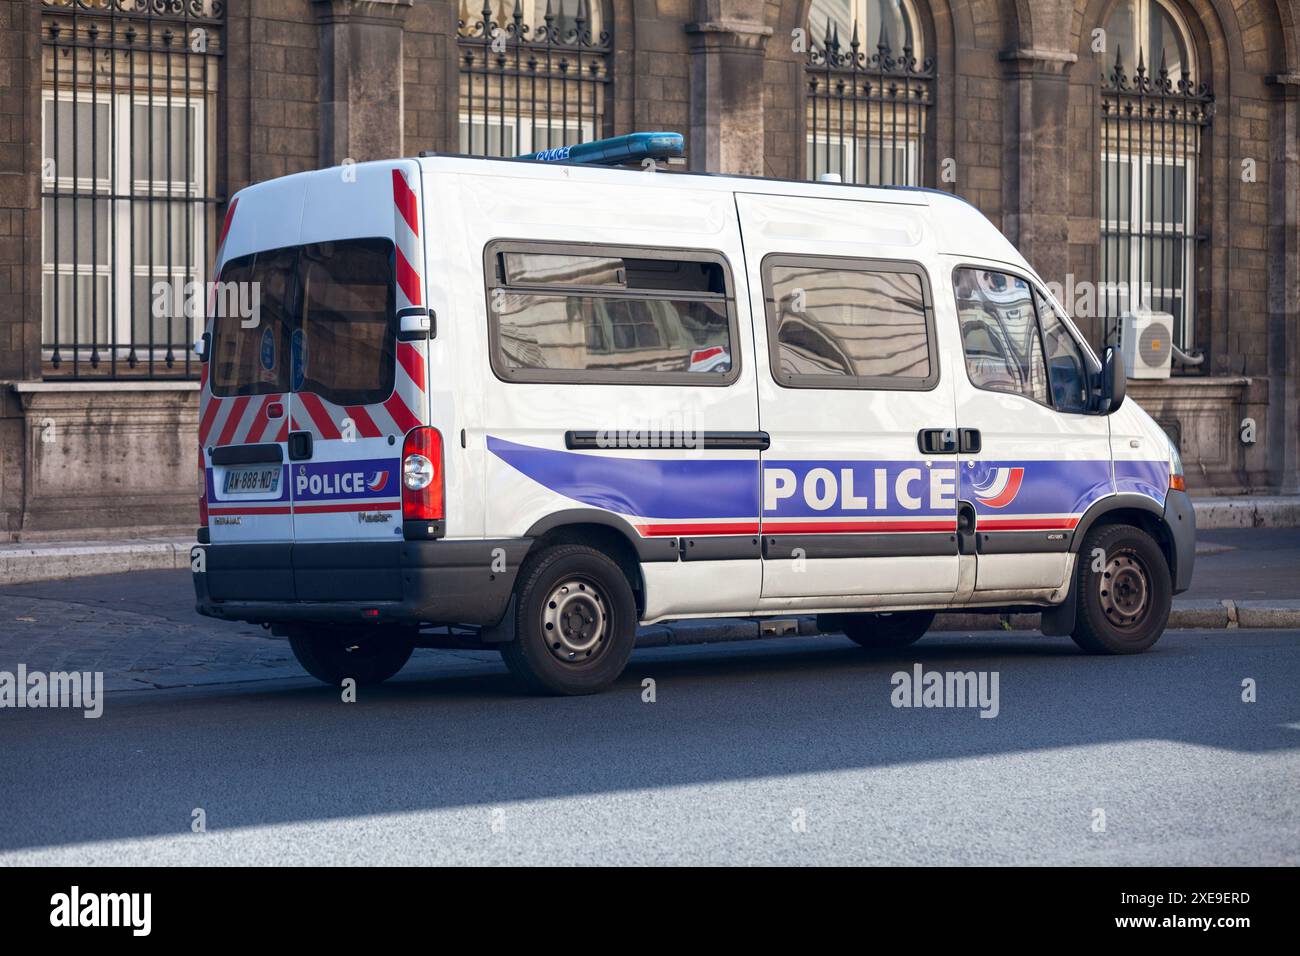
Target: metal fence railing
867, 111
532, 78
128, 130
1151, 131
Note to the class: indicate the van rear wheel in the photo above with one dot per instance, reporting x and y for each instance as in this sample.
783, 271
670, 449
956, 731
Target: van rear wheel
575, 623
368, 656
1125, 591
877, 631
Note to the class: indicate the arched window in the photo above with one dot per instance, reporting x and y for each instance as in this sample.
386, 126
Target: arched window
1153, 112
534, 74
869, 88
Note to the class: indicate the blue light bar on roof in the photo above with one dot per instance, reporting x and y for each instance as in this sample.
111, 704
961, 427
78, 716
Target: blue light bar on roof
632, 148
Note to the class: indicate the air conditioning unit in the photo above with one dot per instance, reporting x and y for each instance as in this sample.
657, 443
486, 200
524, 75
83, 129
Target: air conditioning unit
1146, 342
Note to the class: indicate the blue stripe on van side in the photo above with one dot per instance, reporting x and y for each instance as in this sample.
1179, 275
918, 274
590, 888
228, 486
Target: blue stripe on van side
643, 487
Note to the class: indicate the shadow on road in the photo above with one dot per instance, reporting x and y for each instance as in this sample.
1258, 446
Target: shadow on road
453, 735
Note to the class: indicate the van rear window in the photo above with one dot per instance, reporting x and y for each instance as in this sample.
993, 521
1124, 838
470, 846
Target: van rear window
610, 315
253, 304
348, 345
324, 322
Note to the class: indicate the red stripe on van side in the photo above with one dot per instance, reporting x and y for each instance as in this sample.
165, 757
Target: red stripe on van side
366, 426
659, 530
250, 509
408, 279
1026, 524
413, 362
225, 225
318, 415
394, 505
209, 416
405, 419
848, 527
284, 431
404, 199
233, 419
262, 425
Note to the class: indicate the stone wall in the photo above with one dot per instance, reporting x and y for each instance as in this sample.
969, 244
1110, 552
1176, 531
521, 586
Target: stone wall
1015, 108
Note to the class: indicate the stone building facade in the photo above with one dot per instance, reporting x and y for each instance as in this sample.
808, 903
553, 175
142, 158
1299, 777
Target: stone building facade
1142, 153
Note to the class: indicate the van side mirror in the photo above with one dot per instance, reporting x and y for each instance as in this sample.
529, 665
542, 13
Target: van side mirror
1114, 381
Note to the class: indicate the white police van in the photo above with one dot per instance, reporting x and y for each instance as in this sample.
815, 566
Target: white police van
547, 402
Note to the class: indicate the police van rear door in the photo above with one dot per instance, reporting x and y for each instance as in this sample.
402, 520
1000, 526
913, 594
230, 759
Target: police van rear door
859, 482
356, 389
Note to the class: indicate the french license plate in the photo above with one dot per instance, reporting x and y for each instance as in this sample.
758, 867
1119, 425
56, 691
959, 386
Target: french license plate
252, 481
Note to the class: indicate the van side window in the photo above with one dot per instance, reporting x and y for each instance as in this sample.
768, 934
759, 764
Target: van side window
610, 315
1067, 364
999, 333
252, 323
849, 323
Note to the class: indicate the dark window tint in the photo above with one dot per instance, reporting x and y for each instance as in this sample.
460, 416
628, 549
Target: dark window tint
569, 313
612, 333
348, 337
613, 271
848, 324
1067, 363
252, 324
999, 333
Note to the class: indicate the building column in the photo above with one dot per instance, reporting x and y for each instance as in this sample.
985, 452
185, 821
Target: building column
727, 42
1035, 173
1283, 432
360, 78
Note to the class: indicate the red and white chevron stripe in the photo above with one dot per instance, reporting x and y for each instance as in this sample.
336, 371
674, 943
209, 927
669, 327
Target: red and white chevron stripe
243, 420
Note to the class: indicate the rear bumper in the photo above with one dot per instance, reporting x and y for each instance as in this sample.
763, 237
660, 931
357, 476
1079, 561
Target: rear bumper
395, 582
1180, 518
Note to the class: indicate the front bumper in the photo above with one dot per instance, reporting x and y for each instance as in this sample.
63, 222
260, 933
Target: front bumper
395, 582
1180, 518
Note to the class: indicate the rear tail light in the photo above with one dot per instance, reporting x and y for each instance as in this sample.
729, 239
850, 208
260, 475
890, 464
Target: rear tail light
422, 482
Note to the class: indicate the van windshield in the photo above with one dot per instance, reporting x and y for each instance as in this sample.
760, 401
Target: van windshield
315, 318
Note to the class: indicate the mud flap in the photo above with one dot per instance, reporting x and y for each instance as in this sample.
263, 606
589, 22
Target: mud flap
504, 631
1058, 620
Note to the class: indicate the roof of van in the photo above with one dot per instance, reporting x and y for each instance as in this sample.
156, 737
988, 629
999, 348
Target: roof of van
529, 168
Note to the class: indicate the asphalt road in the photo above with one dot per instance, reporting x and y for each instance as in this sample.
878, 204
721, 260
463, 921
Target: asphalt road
782, 751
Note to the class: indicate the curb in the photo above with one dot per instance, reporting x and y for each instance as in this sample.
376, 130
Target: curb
21, 564
1196, 614
1275, 512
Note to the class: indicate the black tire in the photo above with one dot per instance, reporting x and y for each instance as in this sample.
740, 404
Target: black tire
368, 656
575, 622
1124, 607
880, 631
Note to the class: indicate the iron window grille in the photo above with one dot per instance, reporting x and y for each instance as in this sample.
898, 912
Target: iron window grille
1151, 131
867, 112
128, 125
531, 81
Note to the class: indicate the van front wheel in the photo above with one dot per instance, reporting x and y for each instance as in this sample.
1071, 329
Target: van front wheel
368, 656
575, 622
1125, 591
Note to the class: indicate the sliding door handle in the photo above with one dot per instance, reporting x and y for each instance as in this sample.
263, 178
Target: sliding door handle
937, 441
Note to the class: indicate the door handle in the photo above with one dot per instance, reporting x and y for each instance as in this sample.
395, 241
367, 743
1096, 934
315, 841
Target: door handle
970, 440
299, 446
937, 441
